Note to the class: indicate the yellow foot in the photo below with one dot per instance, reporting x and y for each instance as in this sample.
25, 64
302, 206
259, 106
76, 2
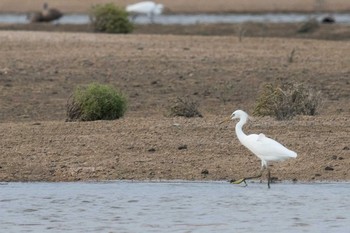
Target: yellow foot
239, 181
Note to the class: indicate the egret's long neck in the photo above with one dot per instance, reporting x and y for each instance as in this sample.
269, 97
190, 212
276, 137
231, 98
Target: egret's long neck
240, 134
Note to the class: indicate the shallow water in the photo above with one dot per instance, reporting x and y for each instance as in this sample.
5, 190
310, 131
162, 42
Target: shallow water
174, 207
189, 19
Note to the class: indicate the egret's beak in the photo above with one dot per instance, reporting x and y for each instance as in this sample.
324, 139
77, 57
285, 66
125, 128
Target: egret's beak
226, 120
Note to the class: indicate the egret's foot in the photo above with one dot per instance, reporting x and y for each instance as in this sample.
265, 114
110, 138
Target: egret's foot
239, 181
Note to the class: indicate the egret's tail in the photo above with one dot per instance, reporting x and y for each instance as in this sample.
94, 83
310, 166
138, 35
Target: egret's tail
292, 154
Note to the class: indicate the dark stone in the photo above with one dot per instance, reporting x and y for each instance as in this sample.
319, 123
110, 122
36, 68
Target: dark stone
328, 168
205, 172
328, 19
151, 150
182, 147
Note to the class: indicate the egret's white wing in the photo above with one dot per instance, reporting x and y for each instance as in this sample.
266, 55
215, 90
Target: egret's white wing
267, 149
145, 7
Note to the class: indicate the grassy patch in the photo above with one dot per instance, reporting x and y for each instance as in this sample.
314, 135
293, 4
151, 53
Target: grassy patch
95, 102
110, 18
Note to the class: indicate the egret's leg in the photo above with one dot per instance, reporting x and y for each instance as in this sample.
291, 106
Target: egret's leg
152, 18
268, 177
133, 18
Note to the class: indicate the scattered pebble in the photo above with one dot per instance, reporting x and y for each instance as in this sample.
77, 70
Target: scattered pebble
346, 148
328, 168
182, 147
205, 172
151, 150
274, 179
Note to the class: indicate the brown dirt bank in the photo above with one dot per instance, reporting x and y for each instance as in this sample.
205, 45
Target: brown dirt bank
284, 30
150, 148
188, 6
39, 70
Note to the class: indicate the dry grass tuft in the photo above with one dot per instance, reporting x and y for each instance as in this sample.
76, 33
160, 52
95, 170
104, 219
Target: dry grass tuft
286, 101
309, 26
184, 107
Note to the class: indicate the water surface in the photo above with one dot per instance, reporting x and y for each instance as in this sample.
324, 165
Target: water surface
174, 207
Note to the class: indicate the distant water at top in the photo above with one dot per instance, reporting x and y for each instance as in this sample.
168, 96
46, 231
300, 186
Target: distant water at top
190, 19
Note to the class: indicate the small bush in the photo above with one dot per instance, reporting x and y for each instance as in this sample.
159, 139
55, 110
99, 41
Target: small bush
309, 26
185, 108
287, 100
110, 18
95, 102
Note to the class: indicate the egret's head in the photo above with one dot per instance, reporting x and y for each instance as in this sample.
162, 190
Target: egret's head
239, 114
159, 9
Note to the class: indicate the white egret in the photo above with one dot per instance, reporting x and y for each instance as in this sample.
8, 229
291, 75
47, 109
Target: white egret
266, 149
148, 8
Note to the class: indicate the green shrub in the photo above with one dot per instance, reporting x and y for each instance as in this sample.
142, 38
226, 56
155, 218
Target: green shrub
110, 18
287, 100
185, 108
96, 102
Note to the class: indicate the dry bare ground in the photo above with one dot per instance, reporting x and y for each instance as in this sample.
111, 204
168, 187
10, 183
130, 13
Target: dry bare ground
39, 70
